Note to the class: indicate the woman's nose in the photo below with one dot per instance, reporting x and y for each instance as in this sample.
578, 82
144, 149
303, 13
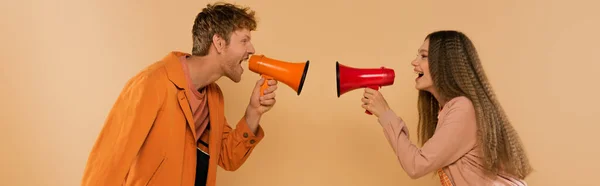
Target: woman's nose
414, 62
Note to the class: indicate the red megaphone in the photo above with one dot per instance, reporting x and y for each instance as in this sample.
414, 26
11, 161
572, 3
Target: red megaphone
349, 78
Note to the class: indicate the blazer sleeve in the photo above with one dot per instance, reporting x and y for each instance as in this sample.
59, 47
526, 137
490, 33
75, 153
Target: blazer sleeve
454, 137
124, 132
237, 143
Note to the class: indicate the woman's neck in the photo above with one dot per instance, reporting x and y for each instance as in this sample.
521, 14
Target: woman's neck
440, 99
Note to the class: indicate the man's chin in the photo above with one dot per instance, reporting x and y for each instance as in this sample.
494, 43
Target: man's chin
235, 79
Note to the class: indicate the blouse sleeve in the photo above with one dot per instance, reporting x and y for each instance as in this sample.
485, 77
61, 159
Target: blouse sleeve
454, 137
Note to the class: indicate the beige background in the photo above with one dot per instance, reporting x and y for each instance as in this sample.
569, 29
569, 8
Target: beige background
65, 61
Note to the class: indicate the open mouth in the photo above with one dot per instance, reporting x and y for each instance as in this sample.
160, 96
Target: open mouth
243, 59
419, 74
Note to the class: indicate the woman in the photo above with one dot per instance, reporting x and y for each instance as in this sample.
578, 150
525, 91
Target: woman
465, 135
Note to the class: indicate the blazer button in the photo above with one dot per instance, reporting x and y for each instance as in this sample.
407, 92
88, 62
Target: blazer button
245, 135
252, 141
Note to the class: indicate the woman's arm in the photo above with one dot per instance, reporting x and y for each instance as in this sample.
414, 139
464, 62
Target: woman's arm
455, 136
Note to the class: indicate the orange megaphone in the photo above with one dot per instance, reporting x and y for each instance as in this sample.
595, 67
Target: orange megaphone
292, 74
348, 78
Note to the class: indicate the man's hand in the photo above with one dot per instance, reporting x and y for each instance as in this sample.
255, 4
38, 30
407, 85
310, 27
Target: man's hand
260, 104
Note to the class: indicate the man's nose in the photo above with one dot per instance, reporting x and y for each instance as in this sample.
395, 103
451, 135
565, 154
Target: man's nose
251, 49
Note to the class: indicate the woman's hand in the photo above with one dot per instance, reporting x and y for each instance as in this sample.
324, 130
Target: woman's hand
374, 102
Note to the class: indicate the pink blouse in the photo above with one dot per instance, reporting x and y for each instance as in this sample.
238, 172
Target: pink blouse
454, 147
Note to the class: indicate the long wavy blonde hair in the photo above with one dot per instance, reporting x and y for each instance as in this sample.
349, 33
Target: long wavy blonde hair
457, 71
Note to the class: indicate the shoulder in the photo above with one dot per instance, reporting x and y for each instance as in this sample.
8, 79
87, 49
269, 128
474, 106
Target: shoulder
461, 103
459, 109
151, 73
459, 116
151, 80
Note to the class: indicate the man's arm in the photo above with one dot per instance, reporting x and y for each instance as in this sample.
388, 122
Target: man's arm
124, 132
237, 144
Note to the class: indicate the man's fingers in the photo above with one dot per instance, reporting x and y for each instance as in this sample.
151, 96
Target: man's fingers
270, 89
260, 81
268, 102
268, 96
272, 82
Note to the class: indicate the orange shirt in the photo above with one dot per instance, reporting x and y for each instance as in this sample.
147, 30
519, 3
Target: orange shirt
197, 100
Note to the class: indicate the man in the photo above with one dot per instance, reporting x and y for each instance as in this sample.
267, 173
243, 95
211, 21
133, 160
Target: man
167, 127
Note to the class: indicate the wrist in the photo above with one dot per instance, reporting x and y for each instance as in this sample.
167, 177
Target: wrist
252, 116
253, 112
386, 108
387, 116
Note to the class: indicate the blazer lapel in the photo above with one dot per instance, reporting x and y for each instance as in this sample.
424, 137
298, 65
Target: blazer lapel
177, 77
185, 106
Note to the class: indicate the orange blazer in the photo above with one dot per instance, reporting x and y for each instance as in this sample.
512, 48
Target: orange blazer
148, 137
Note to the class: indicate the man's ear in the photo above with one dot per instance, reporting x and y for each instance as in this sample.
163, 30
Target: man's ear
219, 43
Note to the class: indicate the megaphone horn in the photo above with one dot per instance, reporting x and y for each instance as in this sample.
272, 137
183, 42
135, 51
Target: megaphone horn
291, 74
349, 78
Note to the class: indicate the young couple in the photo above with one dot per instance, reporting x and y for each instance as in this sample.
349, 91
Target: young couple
168, 127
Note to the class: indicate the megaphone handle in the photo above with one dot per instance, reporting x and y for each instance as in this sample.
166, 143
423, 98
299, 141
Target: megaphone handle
375, 88
265, 84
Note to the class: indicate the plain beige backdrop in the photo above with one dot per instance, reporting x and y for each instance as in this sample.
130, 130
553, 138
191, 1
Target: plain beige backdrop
65, 61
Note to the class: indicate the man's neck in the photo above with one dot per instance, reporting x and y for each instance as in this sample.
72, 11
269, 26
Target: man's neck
203, 70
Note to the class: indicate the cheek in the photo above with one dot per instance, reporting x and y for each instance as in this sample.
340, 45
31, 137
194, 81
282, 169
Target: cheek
427, 72
425, 68
234, 53
425, 65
